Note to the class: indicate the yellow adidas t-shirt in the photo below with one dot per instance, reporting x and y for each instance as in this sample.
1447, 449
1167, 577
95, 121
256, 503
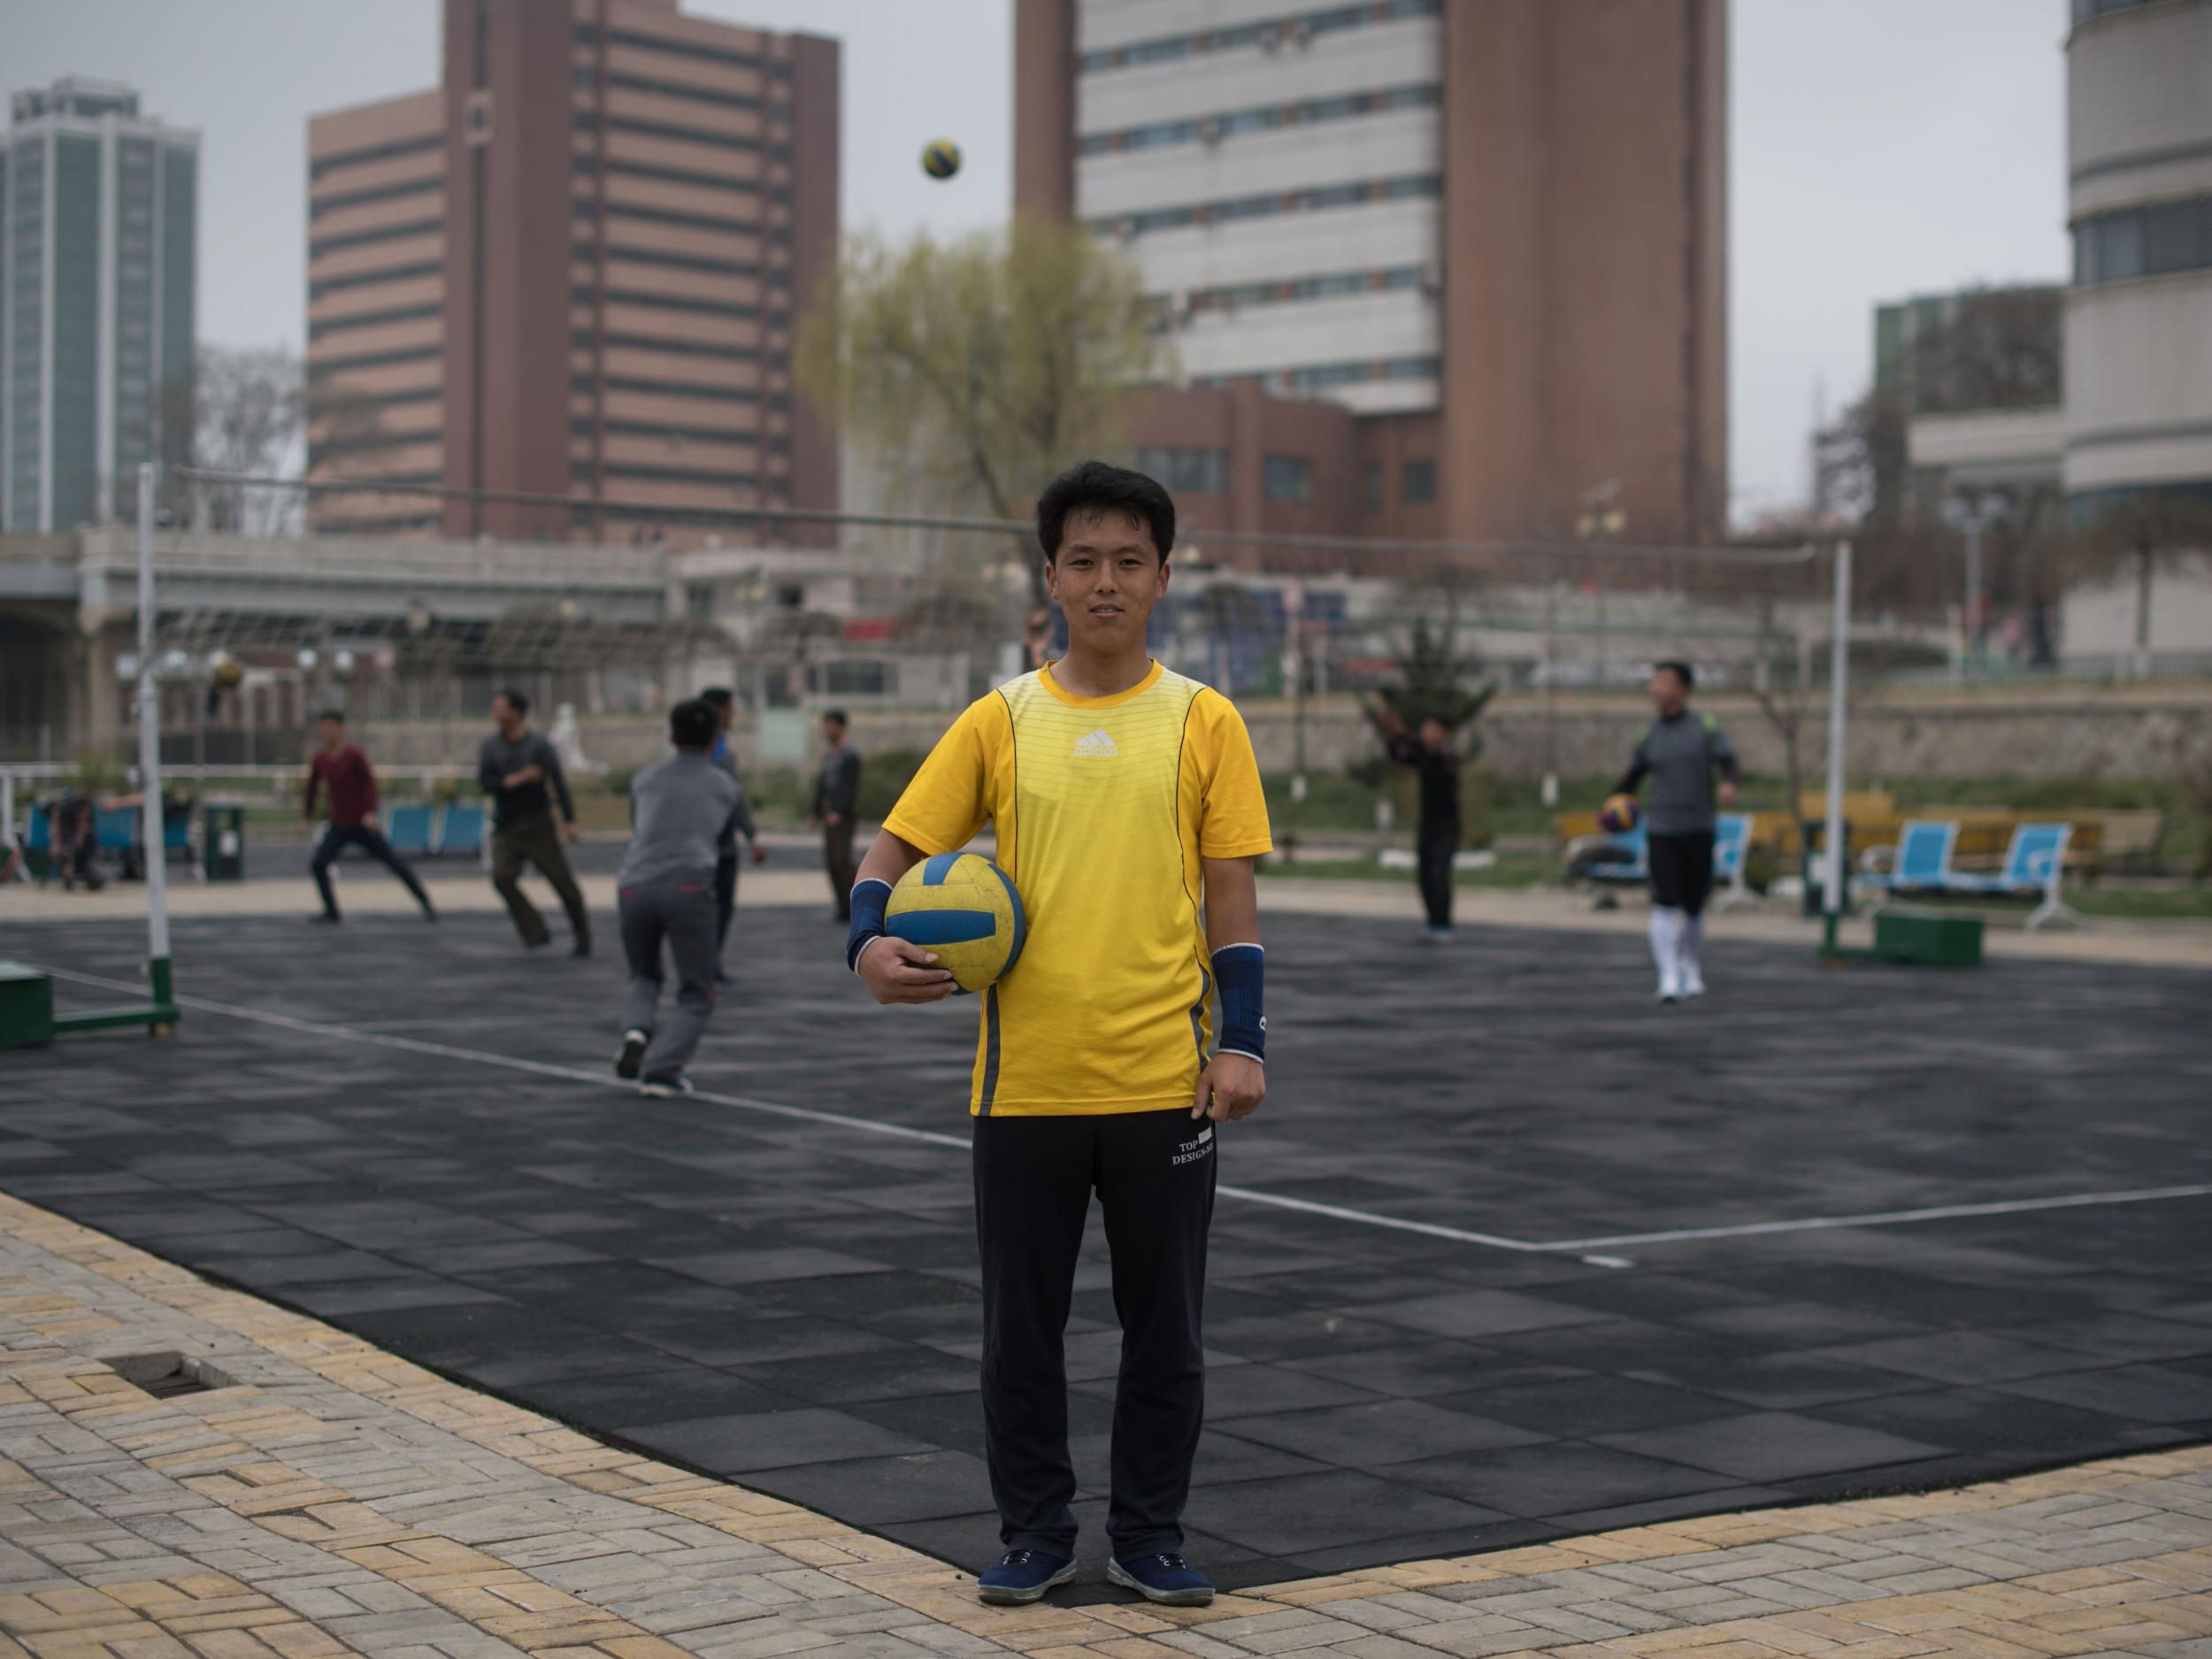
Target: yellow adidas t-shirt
1104, 807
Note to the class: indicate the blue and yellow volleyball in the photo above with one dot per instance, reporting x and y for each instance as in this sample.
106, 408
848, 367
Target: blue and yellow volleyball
963, 906
941, 158
1619, 814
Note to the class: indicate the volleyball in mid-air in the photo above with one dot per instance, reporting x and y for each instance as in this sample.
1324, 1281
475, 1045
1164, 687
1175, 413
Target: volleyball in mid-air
227, 671
1618, 815
941, 158
963, 906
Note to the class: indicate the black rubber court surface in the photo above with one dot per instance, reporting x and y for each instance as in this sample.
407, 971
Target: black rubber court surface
790, 1301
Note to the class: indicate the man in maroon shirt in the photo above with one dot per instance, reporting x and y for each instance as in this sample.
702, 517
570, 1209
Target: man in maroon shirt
343, 770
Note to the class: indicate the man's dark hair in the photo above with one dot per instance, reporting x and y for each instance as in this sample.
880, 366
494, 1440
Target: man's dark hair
692, 724
1096, 488
515, 701
332, 714
717, 697
1681, 671
837, 715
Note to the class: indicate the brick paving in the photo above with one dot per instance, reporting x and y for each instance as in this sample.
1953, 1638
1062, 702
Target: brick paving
320, 1497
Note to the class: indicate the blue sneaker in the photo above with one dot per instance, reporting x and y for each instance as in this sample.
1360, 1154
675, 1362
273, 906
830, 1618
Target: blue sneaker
1022, 1575
1169, 1580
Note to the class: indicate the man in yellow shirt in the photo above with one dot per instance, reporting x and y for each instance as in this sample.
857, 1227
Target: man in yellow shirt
1128, 805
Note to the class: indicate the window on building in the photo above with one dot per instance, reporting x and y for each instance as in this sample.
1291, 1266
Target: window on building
1287, 478
1416, 482
1196, 471
2138, 242
2174, 236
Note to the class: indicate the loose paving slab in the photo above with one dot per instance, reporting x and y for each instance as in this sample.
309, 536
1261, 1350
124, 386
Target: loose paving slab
411, 1133
317, 1498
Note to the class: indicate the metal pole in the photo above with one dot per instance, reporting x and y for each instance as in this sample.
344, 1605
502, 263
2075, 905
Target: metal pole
1839, 672
1551, 696
150, 761
1972, 614
1598, 580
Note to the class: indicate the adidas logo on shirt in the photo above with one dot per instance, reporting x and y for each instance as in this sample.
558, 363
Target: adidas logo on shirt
1096, 745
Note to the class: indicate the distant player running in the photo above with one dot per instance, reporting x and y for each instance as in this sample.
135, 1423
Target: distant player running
1128, 811
1679, 754
343, 770
681, 811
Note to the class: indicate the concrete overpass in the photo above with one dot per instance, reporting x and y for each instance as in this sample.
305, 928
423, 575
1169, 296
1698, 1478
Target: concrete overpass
68, 611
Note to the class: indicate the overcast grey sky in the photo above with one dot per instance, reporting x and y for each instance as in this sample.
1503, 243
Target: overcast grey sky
1878, 148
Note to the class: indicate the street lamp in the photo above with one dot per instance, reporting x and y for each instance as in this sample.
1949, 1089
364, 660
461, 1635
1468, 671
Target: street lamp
1970, 516
1602, 520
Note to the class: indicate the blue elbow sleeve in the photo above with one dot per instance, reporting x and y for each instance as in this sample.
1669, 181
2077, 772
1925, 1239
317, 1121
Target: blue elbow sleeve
1240, 973
868, 900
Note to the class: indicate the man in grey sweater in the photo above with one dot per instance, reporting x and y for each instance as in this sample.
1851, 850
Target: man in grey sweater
681, 809
723, 701
521, 771
1679, 753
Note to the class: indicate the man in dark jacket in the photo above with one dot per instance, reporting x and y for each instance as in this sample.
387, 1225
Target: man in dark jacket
341, 769
1434, 760
836, 795
521, 771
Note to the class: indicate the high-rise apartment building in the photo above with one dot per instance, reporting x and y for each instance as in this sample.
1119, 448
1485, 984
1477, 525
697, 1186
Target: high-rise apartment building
99, 213
576, 269
2138, 315
1493, 229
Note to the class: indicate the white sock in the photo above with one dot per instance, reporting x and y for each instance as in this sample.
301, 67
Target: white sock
1666, 930
1691, 936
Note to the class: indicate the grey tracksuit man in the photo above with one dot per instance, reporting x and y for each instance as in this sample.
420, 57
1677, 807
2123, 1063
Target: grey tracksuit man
679, 810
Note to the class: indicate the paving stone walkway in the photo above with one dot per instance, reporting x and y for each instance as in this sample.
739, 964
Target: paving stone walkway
317, 1498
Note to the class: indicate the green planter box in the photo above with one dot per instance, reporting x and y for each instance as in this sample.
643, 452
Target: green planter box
27, 1007
1928, 937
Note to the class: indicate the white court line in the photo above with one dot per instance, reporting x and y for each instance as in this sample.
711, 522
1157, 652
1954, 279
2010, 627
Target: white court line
1888, 1218
1304, 1206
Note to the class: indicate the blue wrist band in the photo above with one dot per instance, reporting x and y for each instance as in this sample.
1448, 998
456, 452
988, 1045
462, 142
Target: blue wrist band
868, 900
1240, 971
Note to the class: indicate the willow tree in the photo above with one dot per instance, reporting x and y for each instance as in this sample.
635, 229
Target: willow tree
983, 366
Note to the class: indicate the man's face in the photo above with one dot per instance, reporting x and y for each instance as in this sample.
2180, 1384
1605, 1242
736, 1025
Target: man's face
1435, 734
1107, 577
332, 732
503, 715
834, 734
1668, 692
726, 712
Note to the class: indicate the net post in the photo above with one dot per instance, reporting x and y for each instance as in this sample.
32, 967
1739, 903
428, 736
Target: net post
162, 1014
1839, 672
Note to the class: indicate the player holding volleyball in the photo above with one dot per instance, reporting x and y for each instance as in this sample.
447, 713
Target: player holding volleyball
1679, 753
1127, 806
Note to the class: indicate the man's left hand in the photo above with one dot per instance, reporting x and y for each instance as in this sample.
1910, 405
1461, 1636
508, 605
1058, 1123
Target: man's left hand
833, 818
572, 830
1232, 1086
760, 853
368, 820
